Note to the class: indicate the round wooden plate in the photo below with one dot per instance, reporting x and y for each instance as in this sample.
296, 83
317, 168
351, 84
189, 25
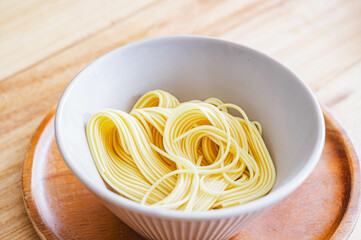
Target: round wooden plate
325, 206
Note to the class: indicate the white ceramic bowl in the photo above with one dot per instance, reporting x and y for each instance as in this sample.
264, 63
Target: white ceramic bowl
194, 67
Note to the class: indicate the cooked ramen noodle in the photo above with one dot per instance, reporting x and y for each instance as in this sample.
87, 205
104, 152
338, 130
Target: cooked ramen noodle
192, 156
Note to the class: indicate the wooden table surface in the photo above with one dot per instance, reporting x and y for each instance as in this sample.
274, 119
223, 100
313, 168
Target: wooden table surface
44, 44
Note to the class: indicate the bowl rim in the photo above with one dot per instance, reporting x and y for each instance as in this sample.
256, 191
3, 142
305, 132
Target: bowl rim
264, 202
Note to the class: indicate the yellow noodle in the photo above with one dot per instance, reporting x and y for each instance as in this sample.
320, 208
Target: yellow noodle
192, 156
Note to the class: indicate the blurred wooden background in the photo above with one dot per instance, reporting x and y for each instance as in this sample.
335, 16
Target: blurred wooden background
44, 44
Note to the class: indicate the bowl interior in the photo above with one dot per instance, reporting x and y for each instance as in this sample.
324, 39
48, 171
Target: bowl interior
195, 68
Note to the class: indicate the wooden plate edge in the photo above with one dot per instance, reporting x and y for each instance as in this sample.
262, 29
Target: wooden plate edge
35, 218
352, 210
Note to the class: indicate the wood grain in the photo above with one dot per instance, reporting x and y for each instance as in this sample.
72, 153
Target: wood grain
37, 29
319, 40
325, 206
